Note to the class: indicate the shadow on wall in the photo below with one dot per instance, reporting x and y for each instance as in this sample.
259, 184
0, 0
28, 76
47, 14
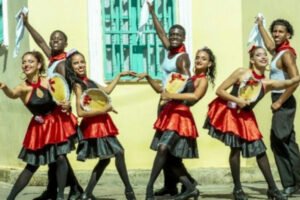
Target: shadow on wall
3, 52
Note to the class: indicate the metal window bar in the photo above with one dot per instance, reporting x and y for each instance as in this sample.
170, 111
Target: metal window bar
122, 51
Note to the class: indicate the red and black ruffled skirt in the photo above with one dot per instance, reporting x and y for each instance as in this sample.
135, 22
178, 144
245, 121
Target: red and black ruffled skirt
99, 133
49, 136
236, 128
176, 128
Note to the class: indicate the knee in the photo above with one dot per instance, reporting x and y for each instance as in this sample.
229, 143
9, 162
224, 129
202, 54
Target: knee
162, 149
61, 159
31, 168
105, 162
120, 153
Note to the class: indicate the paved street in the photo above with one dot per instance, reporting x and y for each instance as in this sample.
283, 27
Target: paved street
115, 192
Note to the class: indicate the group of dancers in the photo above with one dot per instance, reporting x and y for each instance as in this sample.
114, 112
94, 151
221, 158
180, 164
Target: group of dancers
54, 130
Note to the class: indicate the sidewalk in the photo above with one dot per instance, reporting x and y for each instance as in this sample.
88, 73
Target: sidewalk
115, 191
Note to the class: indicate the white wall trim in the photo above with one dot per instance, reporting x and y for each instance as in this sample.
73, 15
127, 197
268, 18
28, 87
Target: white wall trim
184, 12
96, 69
5, 23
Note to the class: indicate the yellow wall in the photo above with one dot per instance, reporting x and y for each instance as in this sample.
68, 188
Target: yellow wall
221, 25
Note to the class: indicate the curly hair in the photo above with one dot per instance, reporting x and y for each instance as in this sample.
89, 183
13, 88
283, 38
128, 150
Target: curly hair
285, 23
211, 71
179, 27
40, 58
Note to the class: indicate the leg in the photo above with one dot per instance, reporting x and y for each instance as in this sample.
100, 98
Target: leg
158, 164
280, 151
180, 171
51, 191
294, 157
121, 167
234, 161
263, 163
95, 176
75, 188
22, 181
61, 175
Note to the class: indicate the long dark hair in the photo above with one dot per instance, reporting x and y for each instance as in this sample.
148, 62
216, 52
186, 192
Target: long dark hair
211, 71
71, 76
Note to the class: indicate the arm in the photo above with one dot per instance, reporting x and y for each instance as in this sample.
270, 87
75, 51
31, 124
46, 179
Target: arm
232, 79
279, 85
159, 29
113, 84
61, 69
37, 37
154, 84
183, 64
270, 45
195, 96
91, 113
13, 94
288, 60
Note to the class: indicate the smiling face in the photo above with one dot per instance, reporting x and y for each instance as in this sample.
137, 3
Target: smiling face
176, 37
259, 59
57, 42
280, 34
202, 62
30, 65
79, 65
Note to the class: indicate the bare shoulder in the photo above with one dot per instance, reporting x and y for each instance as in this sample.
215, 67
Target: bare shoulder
184, 56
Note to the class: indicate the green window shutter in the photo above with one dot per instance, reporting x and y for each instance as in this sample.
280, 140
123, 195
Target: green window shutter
122, 51
1, 23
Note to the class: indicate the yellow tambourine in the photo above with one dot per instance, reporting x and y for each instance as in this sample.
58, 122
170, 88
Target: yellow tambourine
175, 83
94, 99
58, 88
250, 89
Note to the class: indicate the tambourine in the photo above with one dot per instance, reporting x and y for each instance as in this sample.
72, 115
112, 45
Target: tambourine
58, 88
175, 83
250, 89
94, 99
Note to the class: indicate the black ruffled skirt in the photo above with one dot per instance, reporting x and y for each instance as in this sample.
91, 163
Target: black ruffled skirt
48, 154
102, 148
248, 148
182, 147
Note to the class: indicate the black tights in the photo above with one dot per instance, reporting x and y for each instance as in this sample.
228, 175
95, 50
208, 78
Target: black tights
29, 170
100, 167
159, 162
262, 161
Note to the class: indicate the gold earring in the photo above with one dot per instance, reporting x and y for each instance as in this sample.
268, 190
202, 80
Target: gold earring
22, 75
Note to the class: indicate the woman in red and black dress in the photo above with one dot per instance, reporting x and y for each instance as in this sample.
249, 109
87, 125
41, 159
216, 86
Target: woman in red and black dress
176, 132
51, 133
230, 119
99, 131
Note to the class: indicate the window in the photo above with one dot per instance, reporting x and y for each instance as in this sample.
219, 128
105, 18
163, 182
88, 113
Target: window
1, 24
122, 50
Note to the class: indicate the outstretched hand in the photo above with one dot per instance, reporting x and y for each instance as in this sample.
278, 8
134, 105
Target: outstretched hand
65, 105
141, 76
128, 73
2, 85
165, 96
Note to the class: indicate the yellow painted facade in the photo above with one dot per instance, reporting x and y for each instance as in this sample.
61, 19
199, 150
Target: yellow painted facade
221, 25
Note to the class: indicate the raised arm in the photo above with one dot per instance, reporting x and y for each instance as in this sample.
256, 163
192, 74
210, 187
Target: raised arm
113, 84
232, 79
153, 83
270, 45
159, 28
11, 93
289, 61
201, 87
83, 113
37, 37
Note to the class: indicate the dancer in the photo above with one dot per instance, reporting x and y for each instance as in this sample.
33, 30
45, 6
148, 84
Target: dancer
283, 136
51, 133
56, 55
176, 133
176, 60
236, 125
98, 128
